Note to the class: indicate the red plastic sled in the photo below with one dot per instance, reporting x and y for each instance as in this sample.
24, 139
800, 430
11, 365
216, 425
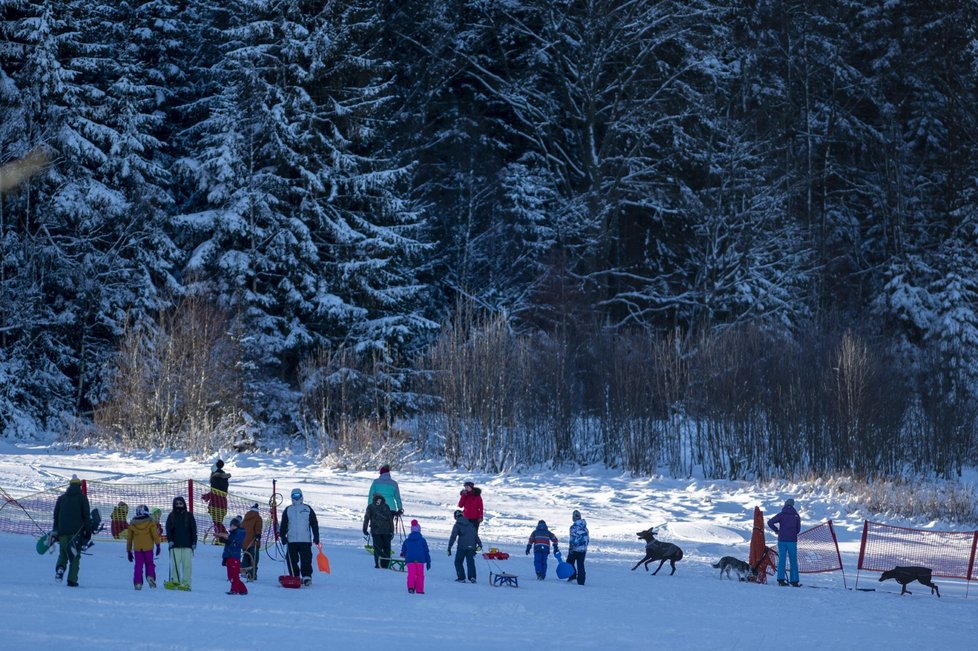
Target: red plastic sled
290, 581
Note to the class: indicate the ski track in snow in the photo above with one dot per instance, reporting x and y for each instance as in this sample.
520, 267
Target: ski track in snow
357, 607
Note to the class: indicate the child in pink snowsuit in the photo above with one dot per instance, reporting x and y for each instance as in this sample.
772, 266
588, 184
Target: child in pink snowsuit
414, 550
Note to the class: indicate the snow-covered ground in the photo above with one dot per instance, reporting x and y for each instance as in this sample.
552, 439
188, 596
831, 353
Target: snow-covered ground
358, 607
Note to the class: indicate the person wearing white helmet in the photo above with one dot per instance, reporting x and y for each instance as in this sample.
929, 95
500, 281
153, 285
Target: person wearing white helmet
299, 531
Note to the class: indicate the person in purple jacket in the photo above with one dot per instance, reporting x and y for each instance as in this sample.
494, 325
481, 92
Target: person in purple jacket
787, 525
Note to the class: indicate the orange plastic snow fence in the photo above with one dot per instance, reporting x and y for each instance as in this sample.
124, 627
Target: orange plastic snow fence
322, 561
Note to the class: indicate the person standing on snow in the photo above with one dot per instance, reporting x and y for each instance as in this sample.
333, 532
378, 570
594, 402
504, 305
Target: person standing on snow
388, 488
299, 531
231, 556
181, 534
470, 501
468, 541
381, 522
217, 498
577, 543
252, 526
143, 534
787, 525
72, 520
539, 542
414, 551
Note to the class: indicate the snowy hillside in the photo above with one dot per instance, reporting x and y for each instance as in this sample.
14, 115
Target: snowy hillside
358, 607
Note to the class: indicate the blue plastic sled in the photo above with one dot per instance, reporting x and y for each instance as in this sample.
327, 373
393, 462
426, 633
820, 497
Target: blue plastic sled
564, 570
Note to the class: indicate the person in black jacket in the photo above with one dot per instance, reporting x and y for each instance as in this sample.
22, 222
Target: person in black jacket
181, 535
468, 541
72, 522
217, 499
381, 522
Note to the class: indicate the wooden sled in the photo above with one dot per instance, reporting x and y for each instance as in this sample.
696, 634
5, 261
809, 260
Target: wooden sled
500, 579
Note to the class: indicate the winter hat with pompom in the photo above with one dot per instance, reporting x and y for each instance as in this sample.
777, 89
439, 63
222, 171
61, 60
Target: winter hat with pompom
415, 527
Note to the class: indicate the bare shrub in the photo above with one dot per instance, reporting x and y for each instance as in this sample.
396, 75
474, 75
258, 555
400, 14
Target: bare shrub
178, 384
347, 408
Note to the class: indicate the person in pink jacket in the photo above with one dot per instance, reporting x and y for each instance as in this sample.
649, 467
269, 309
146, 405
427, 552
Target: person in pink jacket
470, 501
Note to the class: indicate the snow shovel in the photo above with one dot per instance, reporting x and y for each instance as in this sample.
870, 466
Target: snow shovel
322, 561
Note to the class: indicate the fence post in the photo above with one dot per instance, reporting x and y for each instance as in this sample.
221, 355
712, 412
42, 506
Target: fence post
190, 495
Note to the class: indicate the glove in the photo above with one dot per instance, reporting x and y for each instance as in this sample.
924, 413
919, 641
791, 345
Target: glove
157, 549
555, 549
527, 550
427, 566
193, 548
449, 552
316, 543
478, 547
364, 534
130, 557
399, 513
285, 541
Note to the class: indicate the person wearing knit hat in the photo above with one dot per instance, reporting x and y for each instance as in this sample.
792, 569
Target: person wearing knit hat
470, 501
389, 489
231, 556
414, 551
217, 498
468, 542
252, 525
540, 541
72, 518
577, 546
379, 519
787, 524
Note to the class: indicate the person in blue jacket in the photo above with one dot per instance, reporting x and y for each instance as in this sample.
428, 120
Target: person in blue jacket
540, 541
414, 551
787, 525
231, 557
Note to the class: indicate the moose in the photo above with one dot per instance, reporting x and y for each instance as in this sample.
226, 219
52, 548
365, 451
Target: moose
656, 550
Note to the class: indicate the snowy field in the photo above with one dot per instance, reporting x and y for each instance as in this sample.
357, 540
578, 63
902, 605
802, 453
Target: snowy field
358, 607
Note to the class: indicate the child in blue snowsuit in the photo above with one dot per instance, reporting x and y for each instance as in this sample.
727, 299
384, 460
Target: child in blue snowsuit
540, 541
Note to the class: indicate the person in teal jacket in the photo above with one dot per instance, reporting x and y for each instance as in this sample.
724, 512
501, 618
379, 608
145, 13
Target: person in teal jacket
388, 488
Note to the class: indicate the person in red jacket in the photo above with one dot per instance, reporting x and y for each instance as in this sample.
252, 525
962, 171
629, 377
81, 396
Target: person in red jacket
470, 501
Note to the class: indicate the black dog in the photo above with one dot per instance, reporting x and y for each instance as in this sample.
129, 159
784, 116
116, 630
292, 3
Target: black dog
658, 551
905, 575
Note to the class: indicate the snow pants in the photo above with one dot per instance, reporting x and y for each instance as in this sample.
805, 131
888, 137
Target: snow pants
540, 562
576, 558
143, 558
468, 557
786, 549
382, 549
180, 558
300, 558
415, 577
234, 576
68, 557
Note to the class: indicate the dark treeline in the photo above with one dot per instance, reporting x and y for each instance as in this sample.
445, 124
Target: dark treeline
732, 235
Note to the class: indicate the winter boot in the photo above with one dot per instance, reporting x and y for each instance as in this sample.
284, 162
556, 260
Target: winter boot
307, 581
59, 573
72, 584
152, 581
782, 582
138, 586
